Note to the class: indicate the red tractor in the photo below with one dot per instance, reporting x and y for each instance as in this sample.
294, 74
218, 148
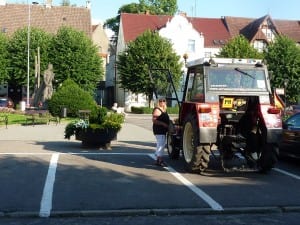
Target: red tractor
227, 111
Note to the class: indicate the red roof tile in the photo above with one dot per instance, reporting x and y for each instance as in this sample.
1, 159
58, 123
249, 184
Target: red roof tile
290, 28
136, 24
214, 31
249, 27
15, 16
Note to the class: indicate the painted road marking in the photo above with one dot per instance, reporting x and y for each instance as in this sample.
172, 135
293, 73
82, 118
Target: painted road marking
46, 202
211, 202
73, 153
287, 173
117, 153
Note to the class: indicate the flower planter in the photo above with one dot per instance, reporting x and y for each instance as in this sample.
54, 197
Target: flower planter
96, 137
99, 131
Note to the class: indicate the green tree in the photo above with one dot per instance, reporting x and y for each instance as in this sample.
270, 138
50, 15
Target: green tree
160, 7
148, 51
155, 7
18, 50
71, 96
74, 56
114, 22
65, 3
283, 59
3, 58
239, 47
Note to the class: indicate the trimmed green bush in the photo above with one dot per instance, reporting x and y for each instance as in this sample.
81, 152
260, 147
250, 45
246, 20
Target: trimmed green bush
148, 110
173, 110
69, 95
137, 110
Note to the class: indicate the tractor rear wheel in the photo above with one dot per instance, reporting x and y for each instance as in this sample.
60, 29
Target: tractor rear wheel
268, 157
196, 155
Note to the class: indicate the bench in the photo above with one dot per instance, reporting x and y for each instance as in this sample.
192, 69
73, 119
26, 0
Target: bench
55, 119
4, 119
40, 117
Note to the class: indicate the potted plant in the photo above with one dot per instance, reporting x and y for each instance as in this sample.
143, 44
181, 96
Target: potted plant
98, 131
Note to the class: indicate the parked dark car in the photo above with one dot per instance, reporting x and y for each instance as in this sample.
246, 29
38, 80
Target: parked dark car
6, 102
290, 143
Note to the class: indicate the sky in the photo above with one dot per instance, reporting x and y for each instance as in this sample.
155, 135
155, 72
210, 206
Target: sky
277, 9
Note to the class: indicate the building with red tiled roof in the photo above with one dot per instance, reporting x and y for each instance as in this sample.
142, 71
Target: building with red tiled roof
216, 31
47, 17
213, 29
262, 31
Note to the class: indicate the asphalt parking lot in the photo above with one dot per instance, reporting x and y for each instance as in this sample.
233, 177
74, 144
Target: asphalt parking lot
44, 175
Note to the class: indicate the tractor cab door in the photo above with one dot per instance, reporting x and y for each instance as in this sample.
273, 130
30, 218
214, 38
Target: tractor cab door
194, 85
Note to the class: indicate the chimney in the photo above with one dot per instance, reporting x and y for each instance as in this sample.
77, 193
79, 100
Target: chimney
88, 4
48, 3
183, 14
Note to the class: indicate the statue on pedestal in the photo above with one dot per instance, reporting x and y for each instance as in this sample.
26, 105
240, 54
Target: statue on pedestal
45, 91
48, 78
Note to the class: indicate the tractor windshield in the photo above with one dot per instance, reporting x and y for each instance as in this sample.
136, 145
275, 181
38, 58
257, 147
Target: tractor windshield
236, 78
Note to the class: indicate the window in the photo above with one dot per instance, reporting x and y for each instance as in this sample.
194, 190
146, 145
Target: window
294, 121
259, 45
236, 79
191, 45
196, 85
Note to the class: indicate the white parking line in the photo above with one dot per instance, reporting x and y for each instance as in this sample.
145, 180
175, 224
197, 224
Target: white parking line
211, 202
46, 202
73, 153
287, 173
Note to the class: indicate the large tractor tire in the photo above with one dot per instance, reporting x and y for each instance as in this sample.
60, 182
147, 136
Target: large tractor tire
173, 149
268, 158
196, 156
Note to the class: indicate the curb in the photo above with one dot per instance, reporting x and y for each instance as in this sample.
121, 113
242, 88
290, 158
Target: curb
157, 212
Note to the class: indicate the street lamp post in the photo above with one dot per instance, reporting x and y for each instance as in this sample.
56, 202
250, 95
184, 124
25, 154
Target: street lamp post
28, 53
185, 57
28, 50
115, 81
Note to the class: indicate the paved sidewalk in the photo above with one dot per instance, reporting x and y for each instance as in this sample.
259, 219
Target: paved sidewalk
33, 133
52, 132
